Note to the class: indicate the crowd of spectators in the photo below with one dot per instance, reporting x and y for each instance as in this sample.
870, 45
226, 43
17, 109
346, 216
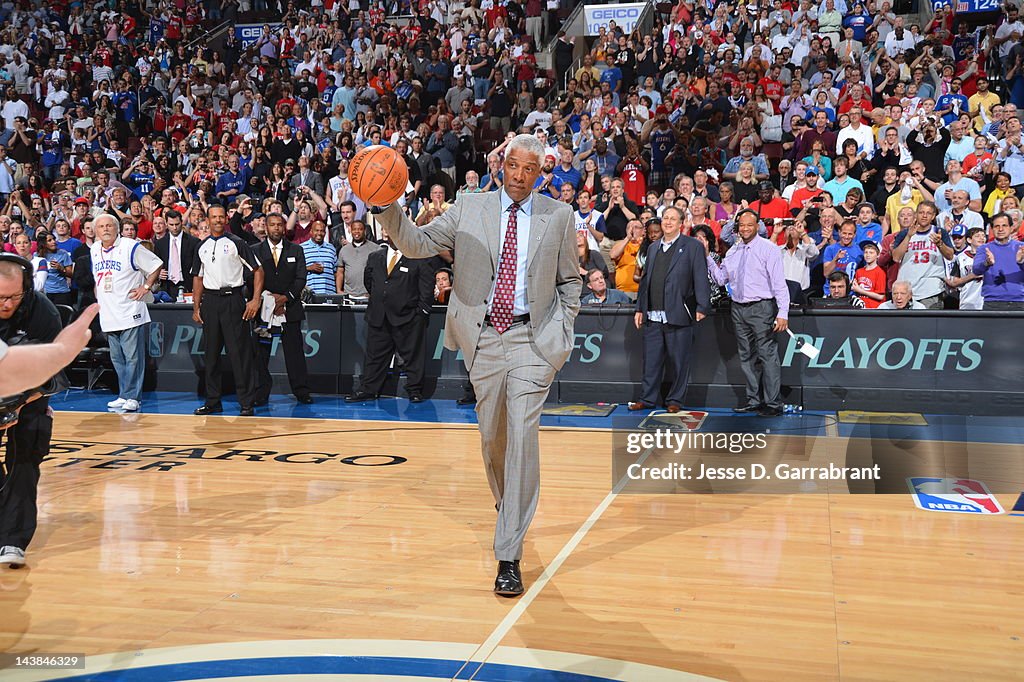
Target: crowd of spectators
874, 150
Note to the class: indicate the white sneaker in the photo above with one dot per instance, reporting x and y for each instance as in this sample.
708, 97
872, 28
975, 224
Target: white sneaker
116, 404
130, 406
14, 556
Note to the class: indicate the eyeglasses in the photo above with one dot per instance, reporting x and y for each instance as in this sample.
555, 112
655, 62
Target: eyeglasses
4, 300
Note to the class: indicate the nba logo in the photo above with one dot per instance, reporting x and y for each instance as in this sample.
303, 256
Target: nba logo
957, 495
156, 340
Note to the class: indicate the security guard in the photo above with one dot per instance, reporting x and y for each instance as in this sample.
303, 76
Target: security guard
285, 277
219, 305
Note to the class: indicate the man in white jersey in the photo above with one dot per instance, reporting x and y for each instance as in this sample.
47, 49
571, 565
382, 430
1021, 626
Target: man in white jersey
589, 221
922, 252
124, 272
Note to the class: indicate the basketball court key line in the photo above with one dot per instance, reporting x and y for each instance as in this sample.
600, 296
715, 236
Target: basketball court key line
485, 650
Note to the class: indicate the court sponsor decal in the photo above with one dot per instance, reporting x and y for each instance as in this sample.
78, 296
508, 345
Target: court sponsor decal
684, 420
861, 417
1018, 506
157, 457
955, 495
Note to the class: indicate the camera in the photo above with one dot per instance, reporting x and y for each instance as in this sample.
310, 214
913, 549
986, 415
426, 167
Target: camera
10, 405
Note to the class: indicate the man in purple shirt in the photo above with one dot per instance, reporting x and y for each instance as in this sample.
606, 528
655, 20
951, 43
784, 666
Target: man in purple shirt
1001, 263
760, 308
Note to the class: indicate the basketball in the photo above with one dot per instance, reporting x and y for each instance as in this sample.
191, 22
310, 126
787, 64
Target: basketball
378, 175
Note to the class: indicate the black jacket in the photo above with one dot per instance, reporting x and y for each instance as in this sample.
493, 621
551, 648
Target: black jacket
400, 298
189, 244
687, 288
288, 277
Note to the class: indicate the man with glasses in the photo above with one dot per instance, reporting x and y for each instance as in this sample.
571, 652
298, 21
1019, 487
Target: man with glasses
26, 317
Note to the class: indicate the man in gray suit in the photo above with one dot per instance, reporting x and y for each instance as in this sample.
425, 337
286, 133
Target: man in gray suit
511, 312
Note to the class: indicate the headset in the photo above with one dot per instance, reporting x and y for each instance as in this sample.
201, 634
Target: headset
26, 266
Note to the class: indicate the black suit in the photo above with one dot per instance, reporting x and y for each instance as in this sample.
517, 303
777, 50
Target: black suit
189, 244
287, 278
396, 317
686, 292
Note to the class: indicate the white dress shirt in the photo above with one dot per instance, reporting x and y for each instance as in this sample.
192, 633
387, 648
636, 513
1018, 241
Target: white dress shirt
659, 315
520, 305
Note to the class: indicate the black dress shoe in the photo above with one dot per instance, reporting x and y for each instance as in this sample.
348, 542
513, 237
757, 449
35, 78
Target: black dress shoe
246, 412
208, 409
416, 397
466, 400
742, 409
360, 397
767, 411
509, 582
304, 399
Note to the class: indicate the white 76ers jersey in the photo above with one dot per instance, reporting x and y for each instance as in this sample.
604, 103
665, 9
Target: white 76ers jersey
118, 270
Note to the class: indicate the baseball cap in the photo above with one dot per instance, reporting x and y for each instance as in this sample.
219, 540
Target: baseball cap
82, 200
764, 184
811, 170
959, 230
865, 204
551, 156
866, 243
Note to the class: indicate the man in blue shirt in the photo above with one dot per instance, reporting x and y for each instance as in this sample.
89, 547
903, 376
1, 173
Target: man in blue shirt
844, 255
566, 172
232, 182
952, 104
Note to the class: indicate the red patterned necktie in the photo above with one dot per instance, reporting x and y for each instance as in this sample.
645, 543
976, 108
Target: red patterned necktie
505, 290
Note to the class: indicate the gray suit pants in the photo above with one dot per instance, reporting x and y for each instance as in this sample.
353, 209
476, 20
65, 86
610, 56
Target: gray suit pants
758, 351
512, 382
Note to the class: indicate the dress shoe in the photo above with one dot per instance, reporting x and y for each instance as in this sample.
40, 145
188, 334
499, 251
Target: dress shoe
360, 397
672, 408
246, 412
465, 400
416, 397
768, 411
640, 405
304, 399
509, 582
742, 409
208, 409
261, 403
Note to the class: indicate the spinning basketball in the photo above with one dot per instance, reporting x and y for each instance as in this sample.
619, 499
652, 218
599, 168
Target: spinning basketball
378, 175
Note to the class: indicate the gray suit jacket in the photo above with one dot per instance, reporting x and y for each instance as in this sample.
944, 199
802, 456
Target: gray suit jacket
471, 229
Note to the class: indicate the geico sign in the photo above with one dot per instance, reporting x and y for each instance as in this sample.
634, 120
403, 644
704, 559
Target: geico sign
615, 13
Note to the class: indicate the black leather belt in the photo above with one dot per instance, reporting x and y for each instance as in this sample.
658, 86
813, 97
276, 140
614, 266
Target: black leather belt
229, 291
516, 320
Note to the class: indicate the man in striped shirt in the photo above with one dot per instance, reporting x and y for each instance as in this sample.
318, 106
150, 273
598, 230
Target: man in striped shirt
321, 261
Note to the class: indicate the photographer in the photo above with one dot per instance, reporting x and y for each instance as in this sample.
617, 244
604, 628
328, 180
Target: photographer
26, 317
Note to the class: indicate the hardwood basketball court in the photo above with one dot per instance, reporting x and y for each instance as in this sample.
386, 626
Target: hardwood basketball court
272, 547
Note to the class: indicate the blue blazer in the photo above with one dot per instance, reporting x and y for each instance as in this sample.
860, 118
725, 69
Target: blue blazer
687, 288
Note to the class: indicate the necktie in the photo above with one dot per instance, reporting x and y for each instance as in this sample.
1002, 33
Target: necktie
275, 249
175, 265
392, 263
505, 290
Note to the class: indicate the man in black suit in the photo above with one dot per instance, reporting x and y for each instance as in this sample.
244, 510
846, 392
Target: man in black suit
284, 267
675, 295
401, 293
177, 249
